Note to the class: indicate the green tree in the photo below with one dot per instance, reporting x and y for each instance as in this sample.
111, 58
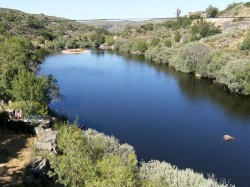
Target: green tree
33, 94
15, 53
155, 42
246, 43
212, 12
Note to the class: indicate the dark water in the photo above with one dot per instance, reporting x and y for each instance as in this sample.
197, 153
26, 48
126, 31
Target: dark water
164, 114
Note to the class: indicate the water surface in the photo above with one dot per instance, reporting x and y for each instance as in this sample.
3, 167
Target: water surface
164, 114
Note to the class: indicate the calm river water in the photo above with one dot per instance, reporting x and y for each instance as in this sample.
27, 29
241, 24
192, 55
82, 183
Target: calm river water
164, 114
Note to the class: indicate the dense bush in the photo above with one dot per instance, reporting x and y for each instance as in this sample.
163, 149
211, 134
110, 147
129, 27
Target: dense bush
155, 42
179, 23
246, 43
177, 36
93, 159
236, 76
140, 46
157, 173
247, 4
195, 16
124, 45
202, 29
148, 27
212, 64
212, 12
160, 55
189, 57
168, 42
109, 40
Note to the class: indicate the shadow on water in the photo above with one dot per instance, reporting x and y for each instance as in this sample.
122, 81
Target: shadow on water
197, 89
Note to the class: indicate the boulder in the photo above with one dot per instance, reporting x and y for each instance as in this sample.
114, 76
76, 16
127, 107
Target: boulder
45, 139
228, 137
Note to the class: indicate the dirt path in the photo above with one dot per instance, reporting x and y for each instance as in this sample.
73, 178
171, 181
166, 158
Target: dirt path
15, 157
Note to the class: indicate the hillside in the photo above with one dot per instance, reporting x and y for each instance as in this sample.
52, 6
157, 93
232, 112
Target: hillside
47, 31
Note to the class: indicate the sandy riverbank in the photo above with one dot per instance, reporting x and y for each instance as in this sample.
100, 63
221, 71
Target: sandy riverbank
74, 51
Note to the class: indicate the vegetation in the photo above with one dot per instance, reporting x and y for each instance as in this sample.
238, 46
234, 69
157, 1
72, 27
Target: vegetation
89, 158
212, 12
19, 82
202, 29
190, 56
236, 75
246, 43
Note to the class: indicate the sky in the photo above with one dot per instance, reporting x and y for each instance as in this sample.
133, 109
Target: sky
112, 9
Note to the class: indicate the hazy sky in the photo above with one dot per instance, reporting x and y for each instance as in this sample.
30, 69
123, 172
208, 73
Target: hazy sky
92, 9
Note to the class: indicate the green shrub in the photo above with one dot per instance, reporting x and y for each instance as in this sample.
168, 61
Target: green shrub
140, 46
231, 6
177, 36
148, 27
178, 24
168, 42
247, 4
202, 29
155, 42
155, 173
246, 43
212, 64
160, 55
92, 159
236, 76
212, 12
195, 16
190, 56
109, 40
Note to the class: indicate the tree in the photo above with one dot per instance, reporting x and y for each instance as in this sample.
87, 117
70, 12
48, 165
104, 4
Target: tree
33, 94
15, 54
212, 12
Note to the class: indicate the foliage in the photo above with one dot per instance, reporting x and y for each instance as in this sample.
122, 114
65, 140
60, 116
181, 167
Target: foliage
160, 54
32, 93
155, 173
236, 76
109, 40
202, 29
88, 158
92, 159
155, 42
190, 56
140, 46
177, 36
231, 6
212, 12
246, 43
148, 27
178, 24
213, 63
247, 4
15, 53
168, 42
195, 16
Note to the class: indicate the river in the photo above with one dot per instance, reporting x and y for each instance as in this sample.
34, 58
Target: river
163, 114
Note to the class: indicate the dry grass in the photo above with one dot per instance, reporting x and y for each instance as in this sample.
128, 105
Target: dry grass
20, 153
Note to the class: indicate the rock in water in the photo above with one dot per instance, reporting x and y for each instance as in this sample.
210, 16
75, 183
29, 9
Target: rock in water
228, 137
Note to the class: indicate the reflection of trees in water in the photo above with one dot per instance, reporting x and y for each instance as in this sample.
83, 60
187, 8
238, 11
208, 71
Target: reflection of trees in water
197, 89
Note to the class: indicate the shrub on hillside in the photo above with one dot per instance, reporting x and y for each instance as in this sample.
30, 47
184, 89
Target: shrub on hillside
155, 42
236, 76
92, 159
212, 64
212, 12
160, 55
168, 42
202, 29
178, 24
177, 36
140, 46
246, 43
190, 56
155, 173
